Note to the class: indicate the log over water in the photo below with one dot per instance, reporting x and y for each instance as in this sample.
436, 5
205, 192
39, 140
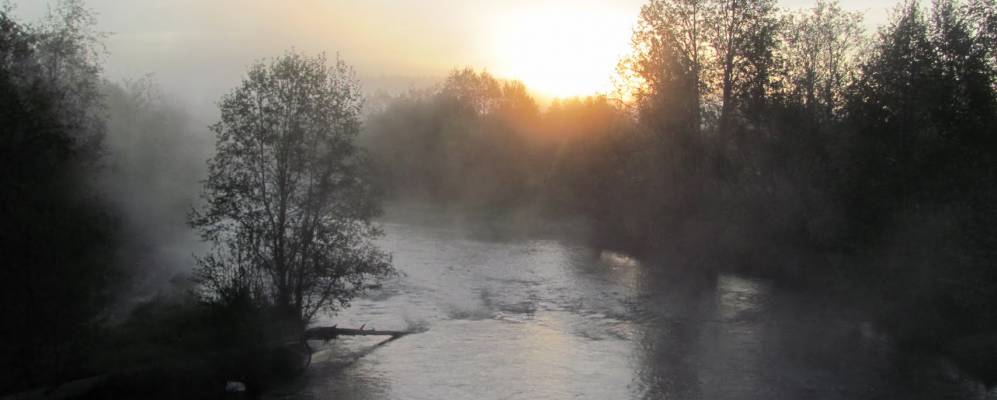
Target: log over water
332, 332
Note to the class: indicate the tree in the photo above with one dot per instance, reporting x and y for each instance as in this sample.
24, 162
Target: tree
741, 38
666, 67
288, 206
473, 139
892, 105
819, 46
57, 236
687, 53
967, 79
982, 20
819, 49
924, 96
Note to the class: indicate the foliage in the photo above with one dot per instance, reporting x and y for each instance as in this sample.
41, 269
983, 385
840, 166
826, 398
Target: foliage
756, 139
474, 139
747, 138
57, 238
819, 48
288, 207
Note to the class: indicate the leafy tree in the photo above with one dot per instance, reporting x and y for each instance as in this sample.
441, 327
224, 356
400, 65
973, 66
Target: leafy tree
57, 238
289, 207
891, 106
981, 17
923, 105
814, 64
741, 39
688, 54
668, 74
665, 73
967, 79
473, 140
820, 47
479, 92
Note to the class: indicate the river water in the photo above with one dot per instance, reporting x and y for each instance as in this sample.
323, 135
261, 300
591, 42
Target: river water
545, 317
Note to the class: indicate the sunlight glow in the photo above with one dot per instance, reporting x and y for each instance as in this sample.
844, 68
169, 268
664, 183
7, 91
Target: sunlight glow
562, 53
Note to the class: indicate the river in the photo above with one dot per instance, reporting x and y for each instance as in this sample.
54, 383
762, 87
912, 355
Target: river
546, 317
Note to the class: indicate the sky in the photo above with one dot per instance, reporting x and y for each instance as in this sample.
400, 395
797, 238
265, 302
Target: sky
198, 49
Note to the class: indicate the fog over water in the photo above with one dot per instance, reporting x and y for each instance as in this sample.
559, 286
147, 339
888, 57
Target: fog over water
513, 316
559, 199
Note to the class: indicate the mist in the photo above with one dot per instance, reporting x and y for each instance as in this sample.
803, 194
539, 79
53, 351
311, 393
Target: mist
395, 200
157, 154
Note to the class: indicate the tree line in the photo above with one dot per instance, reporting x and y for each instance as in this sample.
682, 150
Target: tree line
746, 137
743, 137
57, 238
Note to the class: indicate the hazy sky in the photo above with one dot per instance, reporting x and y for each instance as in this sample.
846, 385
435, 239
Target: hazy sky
198, 49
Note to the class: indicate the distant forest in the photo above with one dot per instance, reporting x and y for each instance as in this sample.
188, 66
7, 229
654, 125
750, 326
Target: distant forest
790, 144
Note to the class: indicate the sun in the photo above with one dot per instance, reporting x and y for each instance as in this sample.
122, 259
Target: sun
562, 52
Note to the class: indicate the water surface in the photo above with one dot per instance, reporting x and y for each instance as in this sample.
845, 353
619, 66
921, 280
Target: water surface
549, 318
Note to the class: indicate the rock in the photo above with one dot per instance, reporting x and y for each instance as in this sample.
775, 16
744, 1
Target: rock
235, 387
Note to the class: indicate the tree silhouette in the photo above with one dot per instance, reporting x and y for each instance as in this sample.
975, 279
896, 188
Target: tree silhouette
58, 237
820, 45
288, 204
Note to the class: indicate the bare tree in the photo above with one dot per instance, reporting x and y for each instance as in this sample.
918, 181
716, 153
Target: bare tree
288, 206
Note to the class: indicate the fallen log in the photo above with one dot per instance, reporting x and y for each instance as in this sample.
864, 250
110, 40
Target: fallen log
332, 332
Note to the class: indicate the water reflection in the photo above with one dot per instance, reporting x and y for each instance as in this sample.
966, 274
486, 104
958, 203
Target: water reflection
548, 319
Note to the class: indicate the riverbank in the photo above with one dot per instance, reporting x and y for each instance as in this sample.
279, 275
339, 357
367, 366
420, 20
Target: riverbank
502, 303
564, 319
173, 347
903, 287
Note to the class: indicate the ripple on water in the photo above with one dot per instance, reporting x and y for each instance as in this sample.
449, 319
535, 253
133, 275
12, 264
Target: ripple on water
540, 319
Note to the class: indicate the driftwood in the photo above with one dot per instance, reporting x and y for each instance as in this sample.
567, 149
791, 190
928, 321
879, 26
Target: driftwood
332, 332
